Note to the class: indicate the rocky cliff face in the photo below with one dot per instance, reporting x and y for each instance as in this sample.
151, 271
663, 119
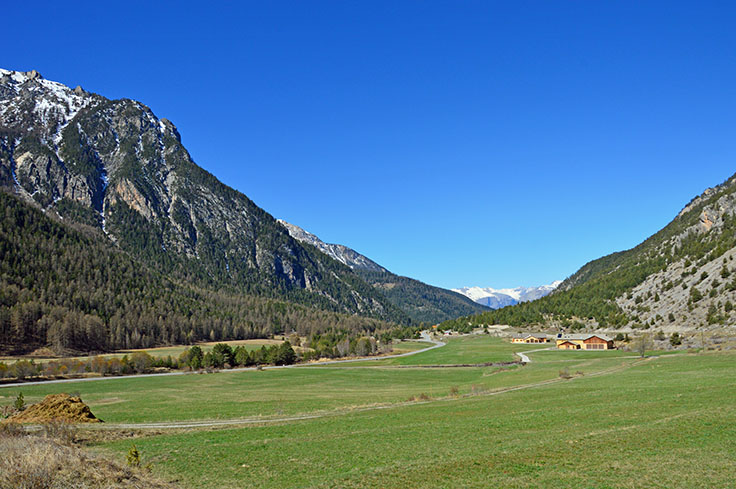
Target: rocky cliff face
681, 277
114, 165
697, 289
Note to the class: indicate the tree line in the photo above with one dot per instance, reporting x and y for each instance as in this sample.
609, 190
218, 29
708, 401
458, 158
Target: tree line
221, 356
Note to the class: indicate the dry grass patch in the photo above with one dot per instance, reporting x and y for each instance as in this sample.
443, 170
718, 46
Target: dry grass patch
43, 462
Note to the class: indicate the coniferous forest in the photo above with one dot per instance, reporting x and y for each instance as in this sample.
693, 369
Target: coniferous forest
66, 286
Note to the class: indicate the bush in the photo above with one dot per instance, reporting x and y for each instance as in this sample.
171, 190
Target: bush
20, 403
133, 458
695, 294
141, 361
194, 358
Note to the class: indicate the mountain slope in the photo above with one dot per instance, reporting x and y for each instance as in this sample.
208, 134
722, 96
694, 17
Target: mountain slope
66, 286
113, 165
343, 254
422, 302
498, 298
679, 278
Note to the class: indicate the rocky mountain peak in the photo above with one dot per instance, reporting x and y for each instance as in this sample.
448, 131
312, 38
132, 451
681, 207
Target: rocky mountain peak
341, 253
114, 165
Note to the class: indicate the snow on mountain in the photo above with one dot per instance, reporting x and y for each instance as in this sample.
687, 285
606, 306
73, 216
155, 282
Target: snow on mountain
343, 254
53, 103
114, 165
497, 298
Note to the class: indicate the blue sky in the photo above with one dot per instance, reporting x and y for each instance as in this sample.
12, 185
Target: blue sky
459, 143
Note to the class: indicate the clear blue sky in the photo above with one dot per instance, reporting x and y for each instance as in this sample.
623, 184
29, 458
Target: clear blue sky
460, 143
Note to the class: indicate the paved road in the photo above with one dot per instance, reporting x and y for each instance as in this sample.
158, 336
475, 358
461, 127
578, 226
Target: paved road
424, 337
526, 359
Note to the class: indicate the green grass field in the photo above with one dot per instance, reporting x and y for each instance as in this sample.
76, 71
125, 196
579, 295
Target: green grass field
665, 423
467, 350
278, 392
620, 422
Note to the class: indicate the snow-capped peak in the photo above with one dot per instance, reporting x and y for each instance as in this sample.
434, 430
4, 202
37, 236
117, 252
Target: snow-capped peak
54, 108
341, 253
502, 297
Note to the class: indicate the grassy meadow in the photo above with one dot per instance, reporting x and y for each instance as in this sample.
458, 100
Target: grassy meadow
664, 423
464, 350
668, 421
308, 389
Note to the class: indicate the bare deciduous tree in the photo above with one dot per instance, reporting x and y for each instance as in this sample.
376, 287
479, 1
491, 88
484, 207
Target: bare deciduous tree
643, 343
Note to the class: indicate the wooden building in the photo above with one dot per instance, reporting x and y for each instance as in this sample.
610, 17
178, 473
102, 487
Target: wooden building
531, 338
584, 342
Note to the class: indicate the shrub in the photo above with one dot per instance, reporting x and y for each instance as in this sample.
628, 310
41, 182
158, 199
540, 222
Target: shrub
141, 361
695, 294
20, 402
133, 458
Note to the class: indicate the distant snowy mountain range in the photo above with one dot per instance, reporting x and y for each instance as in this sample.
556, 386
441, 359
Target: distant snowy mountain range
498, 298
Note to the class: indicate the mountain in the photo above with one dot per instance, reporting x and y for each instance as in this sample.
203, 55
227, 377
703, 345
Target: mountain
343, 254
682, 277
498, 298
66, 286
112, 168
422, 302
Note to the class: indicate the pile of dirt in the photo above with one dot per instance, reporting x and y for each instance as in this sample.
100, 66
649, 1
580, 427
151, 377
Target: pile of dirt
56, 407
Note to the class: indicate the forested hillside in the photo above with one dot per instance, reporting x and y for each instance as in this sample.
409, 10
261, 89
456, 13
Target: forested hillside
115, 166
421, 302
679, 277
68, 287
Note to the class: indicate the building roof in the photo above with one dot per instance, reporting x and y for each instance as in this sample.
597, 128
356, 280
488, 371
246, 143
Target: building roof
583, 337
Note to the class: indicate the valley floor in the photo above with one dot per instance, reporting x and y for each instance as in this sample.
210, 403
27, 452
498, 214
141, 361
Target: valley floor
567, 419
